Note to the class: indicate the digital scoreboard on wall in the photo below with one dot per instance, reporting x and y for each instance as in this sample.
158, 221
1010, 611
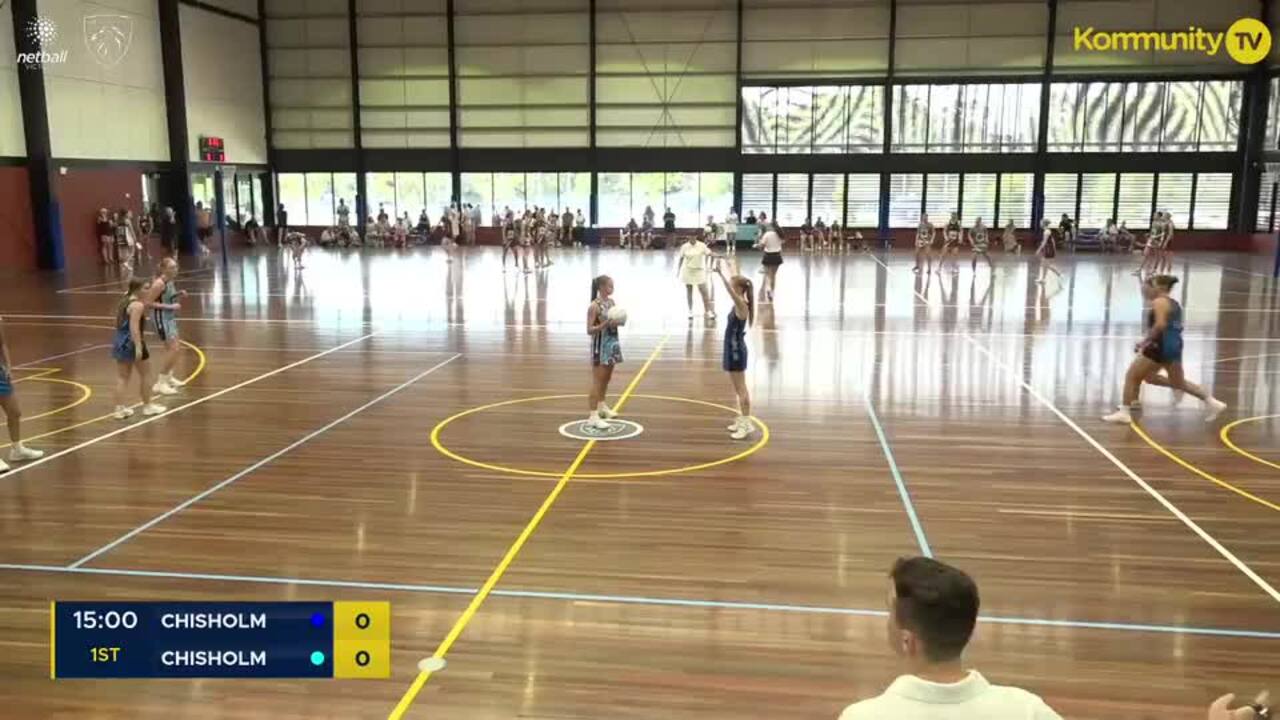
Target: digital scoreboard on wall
212, 149
220, 640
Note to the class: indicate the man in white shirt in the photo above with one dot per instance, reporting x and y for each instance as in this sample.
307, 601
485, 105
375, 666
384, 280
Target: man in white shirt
933, 608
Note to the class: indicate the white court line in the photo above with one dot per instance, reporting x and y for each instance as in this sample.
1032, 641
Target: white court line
84, 349
264, 461
198, 401
396, 328
1246, 357
71, 290
1173, 509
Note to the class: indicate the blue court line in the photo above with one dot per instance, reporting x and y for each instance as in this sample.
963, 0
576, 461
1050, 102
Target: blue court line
635, 600
902, 485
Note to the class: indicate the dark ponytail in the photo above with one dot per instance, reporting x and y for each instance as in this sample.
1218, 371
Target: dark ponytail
135, 284
1164, 282
751, 301
595, 287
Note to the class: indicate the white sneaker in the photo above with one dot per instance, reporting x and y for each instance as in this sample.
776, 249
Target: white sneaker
162, 388
152, 409
1215, 407
711, 315
1177, 397
690, 316
122, 412
3, 467
20, 453
1122, 416
737, 422
606, 412
173, 381
598, 422
746, 428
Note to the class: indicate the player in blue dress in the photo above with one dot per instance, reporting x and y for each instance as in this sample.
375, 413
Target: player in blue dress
130, 350
735, 347
1161, 349
606, 351
162, 299
13, 413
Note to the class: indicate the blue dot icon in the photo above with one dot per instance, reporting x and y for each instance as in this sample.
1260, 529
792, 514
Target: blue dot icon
317, 658
317, 619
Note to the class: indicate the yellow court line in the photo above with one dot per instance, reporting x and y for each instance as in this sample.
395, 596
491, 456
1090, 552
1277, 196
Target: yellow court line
53, 640
443, 649
1225, 435
86, 392
195, 373
440, 446
1221, 483
42, 372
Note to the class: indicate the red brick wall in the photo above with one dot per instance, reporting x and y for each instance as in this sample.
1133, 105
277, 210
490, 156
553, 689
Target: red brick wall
81, 192
17, 231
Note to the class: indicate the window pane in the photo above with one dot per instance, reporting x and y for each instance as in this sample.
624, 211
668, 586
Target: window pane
438, 192
1173, 195
1059, 196
1134, 209
1220, 116
615, 199
508, 189
1182, 107
944, 120
793, 198
979, 199
1097, 195
382, 193
796, 134
319, 199
980, 130
759, 119
1143, 105
715, 195
942, 196
905, 195
1102, 115
648, 190
244, 197
344, 188
291, 191
862, 207
1271, 140
1213, 201
682, 198
757, 194
911, 118
410, 195
828, 198
1016, 191
1064, 117
541, 190
1020, 125
866, 119
258, 207
575, 191
1266, 196
477, 189
830, 119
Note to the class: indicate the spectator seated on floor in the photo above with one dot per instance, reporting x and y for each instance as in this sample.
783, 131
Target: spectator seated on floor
328, 237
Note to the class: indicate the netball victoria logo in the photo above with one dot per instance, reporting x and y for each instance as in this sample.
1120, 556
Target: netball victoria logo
107, 38
42, 33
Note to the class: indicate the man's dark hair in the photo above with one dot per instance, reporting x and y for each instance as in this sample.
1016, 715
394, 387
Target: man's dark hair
937, 602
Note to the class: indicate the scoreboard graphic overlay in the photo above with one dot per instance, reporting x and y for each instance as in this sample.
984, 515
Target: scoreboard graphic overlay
220, 640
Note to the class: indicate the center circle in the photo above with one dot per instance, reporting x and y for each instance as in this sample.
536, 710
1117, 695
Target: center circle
444, 450
617, 430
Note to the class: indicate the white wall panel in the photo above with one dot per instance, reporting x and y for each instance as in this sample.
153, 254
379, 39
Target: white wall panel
103, 110
222, 67
12, 141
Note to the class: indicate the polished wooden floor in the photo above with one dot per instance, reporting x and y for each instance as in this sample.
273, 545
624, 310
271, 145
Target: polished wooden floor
749, 589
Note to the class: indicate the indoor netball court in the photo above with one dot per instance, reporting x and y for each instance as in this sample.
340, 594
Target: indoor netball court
384, 375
